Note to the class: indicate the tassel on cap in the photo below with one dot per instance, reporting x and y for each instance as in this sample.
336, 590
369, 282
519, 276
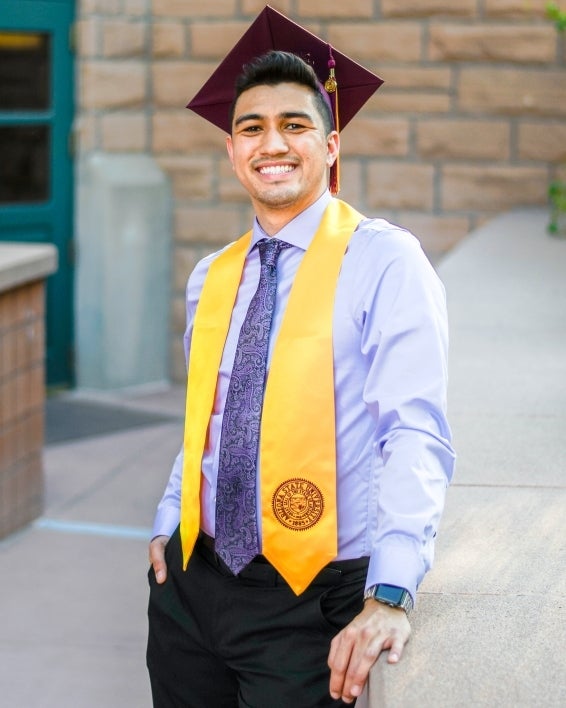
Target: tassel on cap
331, 87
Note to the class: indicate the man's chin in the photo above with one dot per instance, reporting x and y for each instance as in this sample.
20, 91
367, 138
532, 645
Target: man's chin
278, 197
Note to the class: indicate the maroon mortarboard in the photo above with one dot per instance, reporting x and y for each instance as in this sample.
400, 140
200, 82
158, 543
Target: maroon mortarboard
336, 72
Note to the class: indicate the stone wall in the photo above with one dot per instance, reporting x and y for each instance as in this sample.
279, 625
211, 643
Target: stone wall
470, 121
23, 269
21, 405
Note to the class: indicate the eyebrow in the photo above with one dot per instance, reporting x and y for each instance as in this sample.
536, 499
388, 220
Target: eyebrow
286, 115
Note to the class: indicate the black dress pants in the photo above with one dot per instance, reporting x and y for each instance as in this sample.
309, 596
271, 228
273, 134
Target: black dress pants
222, 641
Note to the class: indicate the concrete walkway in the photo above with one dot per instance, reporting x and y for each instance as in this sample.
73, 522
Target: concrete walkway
489, 629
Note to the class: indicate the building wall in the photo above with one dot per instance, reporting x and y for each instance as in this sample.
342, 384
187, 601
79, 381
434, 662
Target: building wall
469, 123
22, 393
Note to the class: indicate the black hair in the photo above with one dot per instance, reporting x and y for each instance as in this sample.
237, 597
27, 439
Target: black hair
276, 67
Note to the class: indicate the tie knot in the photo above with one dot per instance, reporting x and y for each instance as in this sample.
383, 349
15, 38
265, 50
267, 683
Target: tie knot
269, 250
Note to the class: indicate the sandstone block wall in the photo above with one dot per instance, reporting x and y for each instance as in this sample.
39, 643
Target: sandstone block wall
470, 122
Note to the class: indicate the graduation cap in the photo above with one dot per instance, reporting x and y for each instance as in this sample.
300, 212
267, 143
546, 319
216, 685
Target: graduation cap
337, 73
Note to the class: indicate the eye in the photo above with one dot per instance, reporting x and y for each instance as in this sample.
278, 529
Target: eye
250, 129
294, 127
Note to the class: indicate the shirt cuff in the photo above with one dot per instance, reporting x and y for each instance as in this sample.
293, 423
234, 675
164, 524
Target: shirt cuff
396, 563
166, 521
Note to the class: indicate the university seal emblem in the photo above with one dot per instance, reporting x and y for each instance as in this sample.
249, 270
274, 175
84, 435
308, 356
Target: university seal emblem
298, 504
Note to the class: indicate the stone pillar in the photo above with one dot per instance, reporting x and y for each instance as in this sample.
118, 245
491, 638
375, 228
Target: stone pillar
123, 267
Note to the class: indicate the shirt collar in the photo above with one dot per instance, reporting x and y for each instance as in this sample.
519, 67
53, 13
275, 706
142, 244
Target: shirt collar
299, 231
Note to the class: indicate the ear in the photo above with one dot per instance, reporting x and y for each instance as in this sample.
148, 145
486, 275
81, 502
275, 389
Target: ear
230, 149
333, 145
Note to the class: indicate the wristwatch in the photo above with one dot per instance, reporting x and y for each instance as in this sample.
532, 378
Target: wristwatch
390, 595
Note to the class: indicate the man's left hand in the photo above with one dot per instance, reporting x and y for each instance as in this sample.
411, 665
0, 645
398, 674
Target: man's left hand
357, 647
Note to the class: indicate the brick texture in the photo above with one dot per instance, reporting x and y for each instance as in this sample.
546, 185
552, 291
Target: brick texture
175, 131
88, 37
191, 177
519, 92
463, 139
214, 40
542, 142
519, 44
193, 8
375, 136
105, 7
208, 225
428, 78
124, 132
123, 38
412, 102
253, 7
174, 82
375, 42
469, 188
135, 8
168, 39
22, 350
323, 8
523, 9
108, 85
426, 8
395, 185
470, 120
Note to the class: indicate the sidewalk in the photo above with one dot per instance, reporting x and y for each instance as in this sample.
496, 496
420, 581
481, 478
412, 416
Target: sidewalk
74, 592
489, 629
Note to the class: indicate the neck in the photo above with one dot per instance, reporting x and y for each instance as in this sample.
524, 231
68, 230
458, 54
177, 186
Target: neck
272, 220
273, 226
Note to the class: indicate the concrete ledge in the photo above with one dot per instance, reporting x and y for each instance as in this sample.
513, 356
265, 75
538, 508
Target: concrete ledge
24, 262
477, 650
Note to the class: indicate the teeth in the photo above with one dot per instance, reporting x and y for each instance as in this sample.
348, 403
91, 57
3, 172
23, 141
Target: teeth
276, 169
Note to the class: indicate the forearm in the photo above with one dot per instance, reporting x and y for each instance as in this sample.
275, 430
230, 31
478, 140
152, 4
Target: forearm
413, 479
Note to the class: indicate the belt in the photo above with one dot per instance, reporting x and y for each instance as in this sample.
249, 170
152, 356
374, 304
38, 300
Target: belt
261, 572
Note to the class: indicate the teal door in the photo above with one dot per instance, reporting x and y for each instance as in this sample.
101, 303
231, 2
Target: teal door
36, 170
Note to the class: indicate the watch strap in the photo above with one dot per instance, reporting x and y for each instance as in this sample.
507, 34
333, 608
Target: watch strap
390, 595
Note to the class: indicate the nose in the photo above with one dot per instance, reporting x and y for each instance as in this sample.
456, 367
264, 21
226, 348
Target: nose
274, 142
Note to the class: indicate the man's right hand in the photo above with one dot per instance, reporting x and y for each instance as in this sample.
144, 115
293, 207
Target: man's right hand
157, 557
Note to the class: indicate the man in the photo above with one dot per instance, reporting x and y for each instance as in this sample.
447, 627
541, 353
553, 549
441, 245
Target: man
308, 503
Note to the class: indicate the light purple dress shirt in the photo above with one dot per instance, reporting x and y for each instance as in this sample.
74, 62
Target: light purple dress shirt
394, 457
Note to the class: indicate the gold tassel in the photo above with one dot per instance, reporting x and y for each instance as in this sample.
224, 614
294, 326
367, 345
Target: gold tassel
331, 86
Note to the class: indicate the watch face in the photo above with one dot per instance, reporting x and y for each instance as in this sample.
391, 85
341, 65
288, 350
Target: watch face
390, 593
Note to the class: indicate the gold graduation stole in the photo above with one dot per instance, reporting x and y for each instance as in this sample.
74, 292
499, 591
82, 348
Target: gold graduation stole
298, 433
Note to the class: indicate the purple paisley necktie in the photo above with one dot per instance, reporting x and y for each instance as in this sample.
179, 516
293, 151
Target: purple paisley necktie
236, 518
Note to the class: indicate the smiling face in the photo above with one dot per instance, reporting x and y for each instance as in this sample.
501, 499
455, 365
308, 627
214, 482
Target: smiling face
280, 151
